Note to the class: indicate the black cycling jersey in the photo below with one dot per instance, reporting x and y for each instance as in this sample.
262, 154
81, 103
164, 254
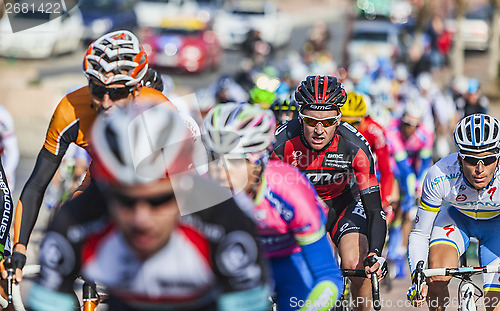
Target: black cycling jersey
331, 171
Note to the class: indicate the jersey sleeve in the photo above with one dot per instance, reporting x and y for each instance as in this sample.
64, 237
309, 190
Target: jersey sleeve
63, 129
381, 150
369, 191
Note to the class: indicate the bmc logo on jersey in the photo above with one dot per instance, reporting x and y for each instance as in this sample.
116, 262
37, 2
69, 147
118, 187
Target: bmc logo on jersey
461, 198
319, 178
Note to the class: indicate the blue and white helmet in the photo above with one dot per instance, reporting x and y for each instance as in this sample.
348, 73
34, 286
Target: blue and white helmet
477, 133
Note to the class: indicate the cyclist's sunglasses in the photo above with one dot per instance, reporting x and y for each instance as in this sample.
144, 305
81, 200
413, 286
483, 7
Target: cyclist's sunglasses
410, 122
473, 160
311, 121
115, 93
128, 201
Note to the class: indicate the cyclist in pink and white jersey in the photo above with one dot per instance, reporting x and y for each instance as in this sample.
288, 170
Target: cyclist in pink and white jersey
289, 215
410, 144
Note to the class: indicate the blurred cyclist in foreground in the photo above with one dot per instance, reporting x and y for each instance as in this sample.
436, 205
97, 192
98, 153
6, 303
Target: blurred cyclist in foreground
133, 239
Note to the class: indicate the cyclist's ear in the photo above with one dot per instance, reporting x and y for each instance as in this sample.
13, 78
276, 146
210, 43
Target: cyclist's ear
137, 89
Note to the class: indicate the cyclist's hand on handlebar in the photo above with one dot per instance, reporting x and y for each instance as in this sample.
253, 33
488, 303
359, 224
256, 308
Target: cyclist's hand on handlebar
412, 295
374, 263
18, 260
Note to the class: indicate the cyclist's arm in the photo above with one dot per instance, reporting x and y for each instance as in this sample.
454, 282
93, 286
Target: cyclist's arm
425, 156
381, 150
31, 197
406, 178
369, 191
308, 225
7, 206
63, 130
430, 202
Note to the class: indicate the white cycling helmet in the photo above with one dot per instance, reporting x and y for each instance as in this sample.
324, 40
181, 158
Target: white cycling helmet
117, 52
414, 107
477, 133
424, 81
139, 144
239, 131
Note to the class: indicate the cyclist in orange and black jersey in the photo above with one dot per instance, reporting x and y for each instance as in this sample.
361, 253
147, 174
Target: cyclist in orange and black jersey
114, 65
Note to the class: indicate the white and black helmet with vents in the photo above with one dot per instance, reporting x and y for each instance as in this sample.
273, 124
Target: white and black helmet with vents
239, 131
117, 52
139, 144
477, 133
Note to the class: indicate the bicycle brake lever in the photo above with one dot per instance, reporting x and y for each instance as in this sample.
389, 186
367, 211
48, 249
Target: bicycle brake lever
418, 278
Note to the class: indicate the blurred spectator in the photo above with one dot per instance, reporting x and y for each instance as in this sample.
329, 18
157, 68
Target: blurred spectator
473, 100
318, 38
9, 149
440, 41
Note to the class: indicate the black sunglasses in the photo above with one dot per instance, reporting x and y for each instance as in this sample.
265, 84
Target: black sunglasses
128, 201
473, 161
115, 93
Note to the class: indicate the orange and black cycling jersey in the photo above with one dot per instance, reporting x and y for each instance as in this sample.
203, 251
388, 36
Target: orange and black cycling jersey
70, 123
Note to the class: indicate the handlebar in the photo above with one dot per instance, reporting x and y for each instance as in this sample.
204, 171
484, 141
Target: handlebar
9, 267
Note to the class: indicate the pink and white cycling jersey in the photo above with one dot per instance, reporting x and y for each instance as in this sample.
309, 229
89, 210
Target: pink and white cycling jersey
288, 211
417, 146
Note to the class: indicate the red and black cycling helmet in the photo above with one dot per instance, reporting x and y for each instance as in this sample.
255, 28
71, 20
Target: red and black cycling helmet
320, 93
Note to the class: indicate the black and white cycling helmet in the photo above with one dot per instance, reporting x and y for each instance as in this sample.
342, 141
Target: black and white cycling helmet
477, 133
139, 144
320, 93
117, 52
239, 131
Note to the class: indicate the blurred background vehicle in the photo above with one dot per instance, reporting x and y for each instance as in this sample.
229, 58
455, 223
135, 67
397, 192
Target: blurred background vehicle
185, 43
475, 29
98, 20
373, 39
56, 34
236, 19
151, 13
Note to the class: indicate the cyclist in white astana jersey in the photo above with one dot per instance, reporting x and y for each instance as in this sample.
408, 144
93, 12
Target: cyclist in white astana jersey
460, 200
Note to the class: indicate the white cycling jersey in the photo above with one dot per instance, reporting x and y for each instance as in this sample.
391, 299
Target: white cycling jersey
445, 185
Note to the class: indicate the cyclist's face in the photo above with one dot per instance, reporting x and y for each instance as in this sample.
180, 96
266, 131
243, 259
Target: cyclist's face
479, 175
319, 136
103, 96
409, 125
237, 174
145, 214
